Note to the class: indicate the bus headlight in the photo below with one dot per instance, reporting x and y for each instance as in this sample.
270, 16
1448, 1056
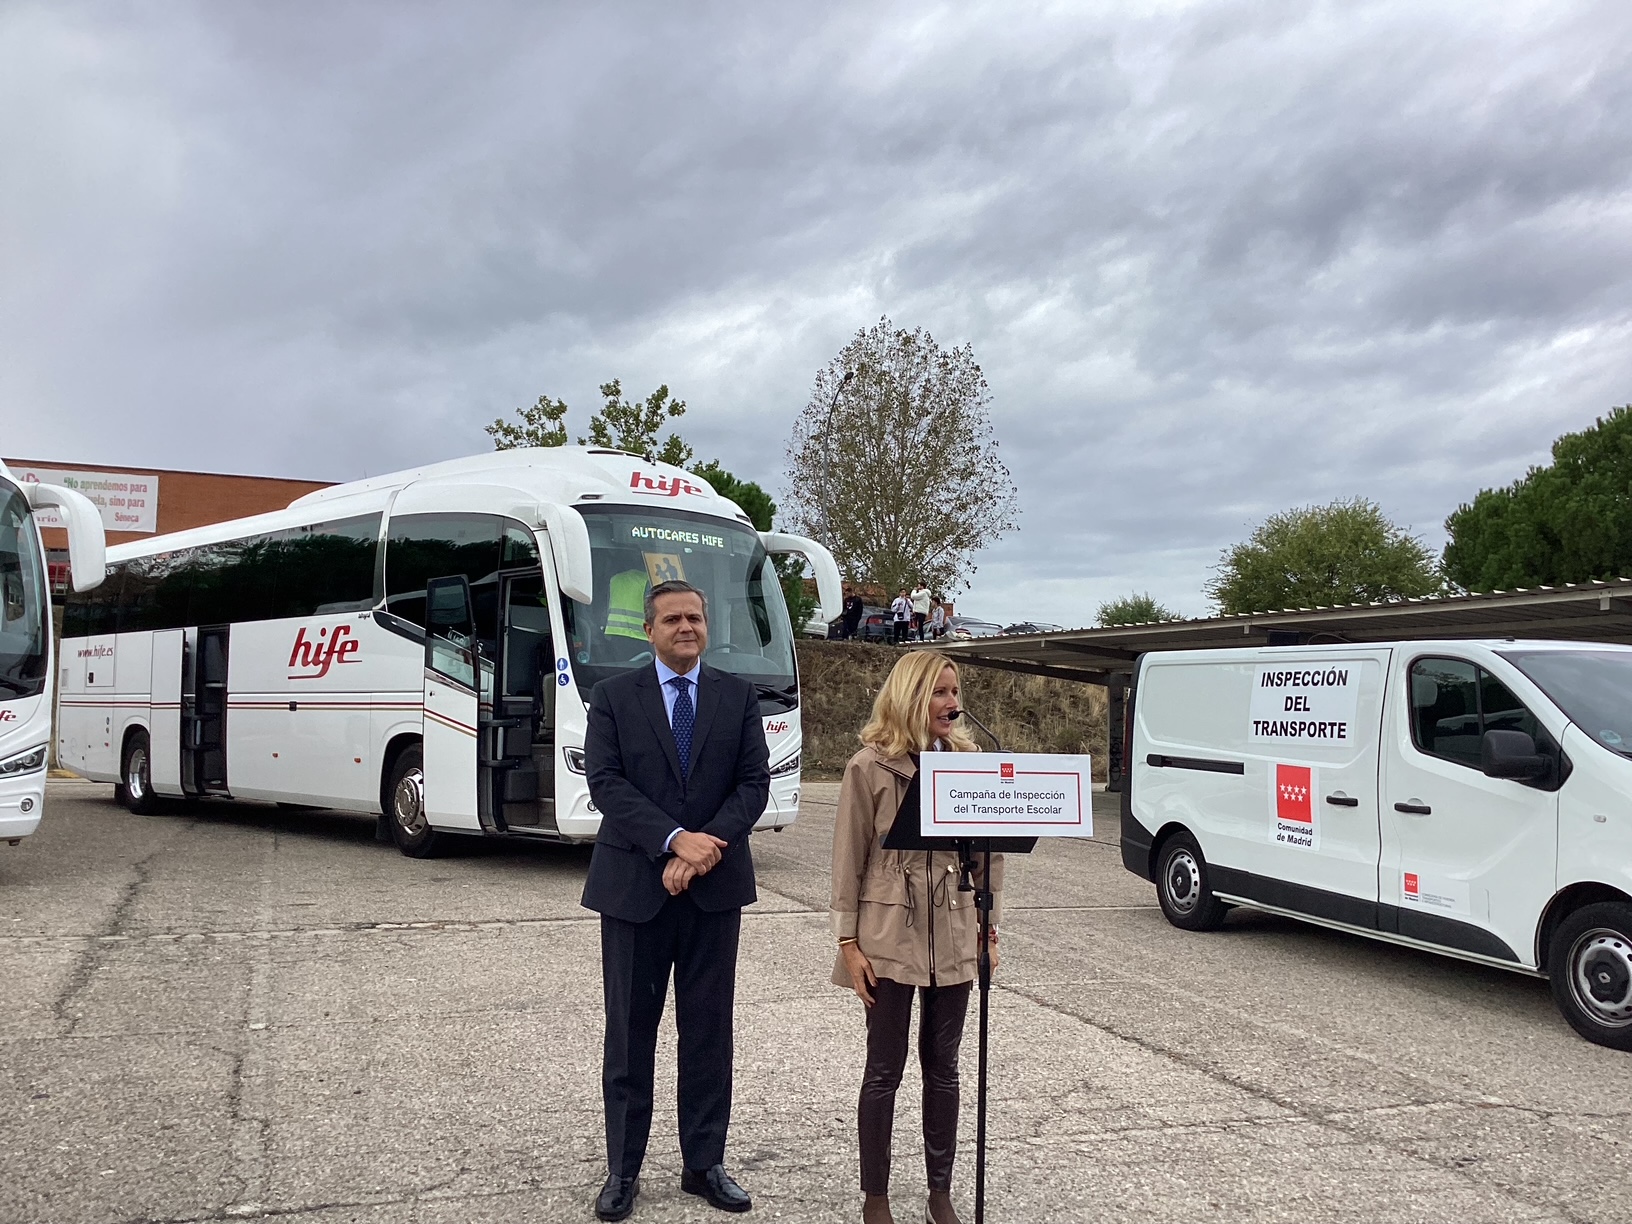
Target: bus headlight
24, 762
575, 759
789, 766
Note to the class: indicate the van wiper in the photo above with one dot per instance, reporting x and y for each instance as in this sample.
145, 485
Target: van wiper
17, 686
790, 694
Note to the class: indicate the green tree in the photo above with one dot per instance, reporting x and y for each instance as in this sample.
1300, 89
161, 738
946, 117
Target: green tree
761, 510
1321, 556
1569, 522
1134, 610
893, 463
618, 425
540, 425
633, 427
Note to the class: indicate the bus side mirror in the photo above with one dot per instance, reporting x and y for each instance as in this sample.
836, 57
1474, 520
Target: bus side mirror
87, 545
447, 605
569, 541
1512, 754
829, 590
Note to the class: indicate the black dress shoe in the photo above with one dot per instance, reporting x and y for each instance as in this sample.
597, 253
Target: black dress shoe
717, 1187
617, 1198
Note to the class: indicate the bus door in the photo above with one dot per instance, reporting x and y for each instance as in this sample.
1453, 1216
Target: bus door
453, 678
164, 730
523, 724
204, 711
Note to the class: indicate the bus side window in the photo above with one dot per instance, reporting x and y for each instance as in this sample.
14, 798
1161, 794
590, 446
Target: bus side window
420, 547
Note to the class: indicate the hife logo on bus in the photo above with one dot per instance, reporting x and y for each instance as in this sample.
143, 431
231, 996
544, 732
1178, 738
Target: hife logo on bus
662, 486
321, 654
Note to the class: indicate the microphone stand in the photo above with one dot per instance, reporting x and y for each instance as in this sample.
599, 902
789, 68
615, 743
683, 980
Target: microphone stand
983, 907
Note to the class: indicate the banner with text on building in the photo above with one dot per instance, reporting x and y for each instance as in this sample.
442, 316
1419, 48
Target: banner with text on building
127, 501
1005, 794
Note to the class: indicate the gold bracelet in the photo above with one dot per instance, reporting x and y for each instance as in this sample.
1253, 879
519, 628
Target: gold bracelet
850, 939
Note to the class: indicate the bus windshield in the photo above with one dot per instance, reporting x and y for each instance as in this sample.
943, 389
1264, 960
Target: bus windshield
633, 549
22, 600
1590, 686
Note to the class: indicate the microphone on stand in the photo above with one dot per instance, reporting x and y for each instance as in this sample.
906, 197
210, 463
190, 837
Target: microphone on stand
957, 714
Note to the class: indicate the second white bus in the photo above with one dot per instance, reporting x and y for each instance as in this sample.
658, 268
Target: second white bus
420, 645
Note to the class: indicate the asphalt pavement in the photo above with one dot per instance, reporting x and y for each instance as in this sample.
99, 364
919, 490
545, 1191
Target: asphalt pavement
244, 1013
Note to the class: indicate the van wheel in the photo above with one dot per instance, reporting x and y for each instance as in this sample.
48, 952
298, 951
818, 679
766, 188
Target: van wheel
405, 805
136, 776
1590, 967
1181, 886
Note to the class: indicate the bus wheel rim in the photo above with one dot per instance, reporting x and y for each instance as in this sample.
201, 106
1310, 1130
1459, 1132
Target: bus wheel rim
409, 801
1183, 881
136, 774
1600, 969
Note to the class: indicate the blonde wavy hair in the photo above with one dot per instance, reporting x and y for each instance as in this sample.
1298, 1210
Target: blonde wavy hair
900, 721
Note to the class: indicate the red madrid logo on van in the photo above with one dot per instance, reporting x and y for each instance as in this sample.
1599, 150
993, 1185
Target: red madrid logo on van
1292, 783
661, 486
1005, 771
315, 658
1411, 884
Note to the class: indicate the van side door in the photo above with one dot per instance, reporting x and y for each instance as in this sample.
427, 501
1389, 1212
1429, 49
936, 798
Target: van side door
1468, 861
1269, 757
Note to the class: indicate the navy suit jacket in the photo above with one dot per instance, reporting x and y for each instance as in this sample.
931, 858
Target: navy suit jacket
636, 784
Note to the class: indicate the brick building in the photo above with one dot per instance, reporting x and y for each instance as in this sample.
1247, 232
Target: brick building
139, 502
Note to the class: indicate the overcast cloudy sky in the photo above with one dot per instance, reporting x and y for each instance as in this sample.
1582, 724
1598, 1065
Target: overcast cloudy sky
1216, 259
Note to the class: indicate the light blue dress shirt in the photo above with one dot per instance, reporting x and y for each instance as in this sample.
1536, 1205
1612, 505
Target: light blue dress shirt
671, 693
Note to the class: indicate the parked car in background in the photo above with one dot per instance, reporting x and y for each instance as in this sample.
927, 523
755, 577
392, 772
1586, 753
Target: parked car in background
874, 625
1032, 627
962, 628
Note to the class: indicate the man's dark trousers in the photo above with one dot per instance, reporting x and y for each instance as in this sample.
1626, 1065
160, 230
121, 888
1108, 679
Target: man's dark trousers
635, 961
636, 781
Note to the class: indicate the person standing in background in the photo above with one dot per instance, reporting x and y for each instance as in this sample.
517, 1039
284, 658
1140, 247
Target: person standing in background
920, 608
853, 612
900, 617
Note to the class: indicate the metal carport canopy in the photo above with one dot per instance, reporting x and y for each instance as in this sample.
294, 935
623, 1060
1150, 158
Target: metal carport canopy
1585, 612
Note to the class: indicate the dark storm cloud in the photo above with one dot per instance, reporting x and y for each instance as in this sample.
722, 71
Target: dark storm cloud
1216, 260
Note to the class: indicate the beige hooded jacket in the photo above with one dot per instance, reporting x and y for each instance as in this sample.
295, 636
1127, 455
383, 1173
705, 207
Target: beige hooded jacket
903, 907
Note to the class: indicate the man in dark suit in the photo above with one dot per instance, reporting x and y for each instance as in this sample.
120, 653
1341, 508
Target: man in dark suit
678, 769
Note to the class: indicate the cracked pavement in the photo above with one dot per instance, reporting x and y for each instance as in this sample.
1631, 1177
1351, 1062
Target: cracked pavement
247, 1013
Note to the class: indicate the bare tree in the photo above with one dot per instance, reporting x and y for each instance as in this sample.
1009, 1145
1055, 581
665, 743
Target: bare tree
896, 469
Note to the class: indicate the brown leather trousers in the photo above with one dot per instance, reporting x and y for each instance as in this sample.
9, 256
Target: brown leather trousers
941, 1010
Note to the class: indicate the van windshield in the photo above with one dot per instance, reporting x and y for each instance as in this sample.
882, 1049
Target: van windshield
1590, 686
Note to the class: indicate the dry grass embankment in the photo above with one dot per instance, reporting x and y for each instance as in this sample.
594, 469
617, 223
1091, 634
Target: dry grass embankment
838, 681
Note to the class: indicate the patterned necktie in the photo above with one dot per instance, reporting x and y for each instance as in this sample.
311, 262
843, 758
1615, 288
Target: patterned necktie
684, 718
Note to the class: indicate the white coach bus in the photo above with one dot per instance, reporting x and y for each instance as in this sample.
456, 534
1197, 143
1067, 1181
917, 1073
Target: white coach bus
420, 645
26, 657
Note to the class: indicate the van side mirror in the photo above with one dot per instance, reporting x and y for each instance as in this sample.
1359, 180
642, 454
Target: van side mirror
87, 561
1512, 754
447, 605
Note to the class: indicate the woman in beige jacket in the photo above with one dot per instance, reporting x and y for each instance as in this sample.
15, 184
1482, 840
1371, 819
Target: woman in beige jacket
904, 928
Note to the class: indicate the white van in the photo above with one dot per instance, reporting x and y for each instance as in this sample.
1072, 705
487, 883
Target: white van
1469, 798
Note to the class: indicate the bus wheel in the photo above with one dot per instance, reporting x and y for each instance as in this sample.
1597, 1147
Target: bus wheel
1181, 886
405, 793
1590, 967
136, 788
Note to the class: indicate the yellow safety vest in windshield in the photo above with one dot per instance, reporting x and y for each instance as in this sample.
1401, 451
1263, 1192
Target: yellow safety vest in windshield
626, 605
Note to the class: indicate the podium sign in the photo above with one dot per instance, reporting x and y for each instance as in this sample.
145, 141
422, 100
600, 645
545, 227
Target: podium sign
1005, 794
